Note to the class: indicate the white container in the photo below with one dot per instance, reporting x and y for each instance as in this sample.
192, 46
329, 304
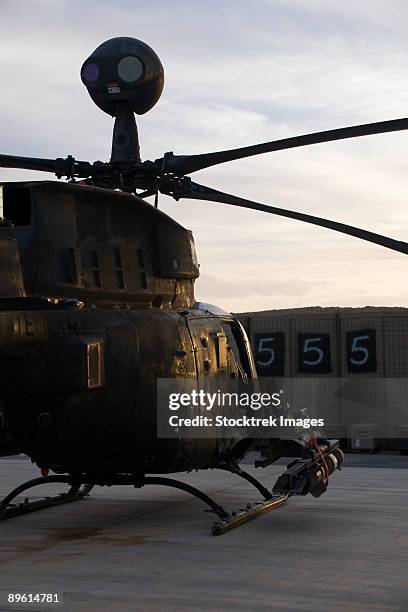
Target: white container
364, 437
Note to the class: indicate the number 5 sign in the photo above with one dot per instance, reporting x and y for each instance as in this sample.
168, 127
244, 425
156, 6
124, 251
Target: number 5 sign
270, 353
361, 351
314, 353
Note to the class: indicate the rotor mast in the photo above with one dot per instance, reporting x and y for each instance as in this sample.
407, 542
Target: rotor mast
125, 138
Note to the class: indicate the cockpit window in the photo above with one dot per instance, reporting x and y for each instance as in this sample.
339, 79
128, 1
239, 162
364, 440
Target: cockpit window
237, 345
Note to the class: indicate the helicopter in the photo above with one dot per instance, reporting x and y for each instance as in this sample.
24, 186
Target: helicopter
97, 304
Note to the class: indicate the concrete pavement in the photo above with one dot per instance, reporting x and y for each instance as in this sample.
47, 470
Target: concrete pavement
123, 549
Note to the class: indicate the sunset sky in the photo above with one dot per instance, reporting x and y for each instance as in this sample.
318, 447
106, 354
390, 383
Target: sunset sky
239, 73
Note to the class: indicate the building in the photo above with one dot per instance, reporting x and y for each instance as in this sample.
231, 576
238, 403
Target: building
362, 350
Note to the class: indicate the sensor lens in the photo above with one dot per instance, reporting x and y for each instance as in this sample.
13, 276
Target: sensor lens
91, 72
130, 69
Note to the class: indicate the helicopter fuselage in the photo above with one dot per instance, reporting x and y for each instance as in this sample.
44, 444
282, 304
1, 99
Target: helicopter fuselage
99, 305
79, 387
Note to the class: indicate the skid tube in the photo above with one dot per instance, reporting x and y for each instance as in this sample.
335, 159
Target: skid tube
226, 521
75, 492
81, 485
251, 511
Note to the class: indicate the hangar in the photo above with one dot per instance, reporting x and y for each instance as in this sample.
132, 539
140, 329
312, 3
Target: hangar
358, 344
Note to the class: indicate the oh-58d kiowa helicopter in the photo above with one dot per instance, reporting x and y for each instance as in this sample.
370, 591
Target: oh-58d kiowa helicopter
97, 303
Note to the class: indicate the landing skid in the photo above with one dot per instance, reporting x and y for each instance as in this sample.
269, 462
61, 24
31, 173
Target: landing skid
81, 485
9, 510
227, 520
235, 519
251, 511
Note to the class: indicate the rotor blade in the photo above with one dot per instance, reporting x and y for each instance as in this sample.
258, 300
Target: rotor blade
200, 192
186, 164
29, 163
68, 167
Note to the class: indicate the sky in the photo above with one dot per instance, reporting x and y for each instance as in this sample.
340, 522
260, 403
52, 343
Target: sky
239, 73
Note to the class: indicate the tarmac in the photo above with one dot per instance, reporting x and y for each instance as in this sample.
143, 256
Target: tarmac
123, 549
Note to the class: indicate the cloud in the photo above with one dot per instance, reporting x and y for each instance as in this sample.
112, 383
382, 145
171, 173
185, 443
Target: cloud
236, 75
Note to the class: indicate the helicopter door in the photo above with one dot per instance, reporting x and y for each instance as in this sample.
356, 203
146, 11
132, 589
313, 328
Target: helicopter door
221, 348
207, 339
